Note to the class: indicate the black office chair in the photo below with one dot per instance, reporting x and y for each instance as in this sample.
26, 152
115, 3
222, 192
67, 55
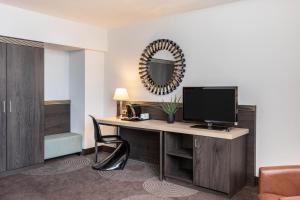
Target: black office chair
118, 158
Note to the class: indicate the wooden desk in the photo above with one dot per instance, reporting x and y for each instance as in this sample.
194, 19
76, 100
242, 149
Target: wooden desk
203, 150
177, 127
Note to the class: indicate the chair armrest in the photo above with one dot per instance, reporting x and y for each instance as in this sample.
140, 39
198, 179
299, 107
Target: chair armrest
290, 198
283, 180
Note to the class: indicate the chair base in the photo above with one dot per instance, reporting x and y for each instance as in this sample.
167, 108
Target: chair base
116, 160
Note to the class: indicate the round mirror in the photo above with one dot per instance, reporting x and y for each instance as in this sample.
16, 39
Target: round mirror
162, 66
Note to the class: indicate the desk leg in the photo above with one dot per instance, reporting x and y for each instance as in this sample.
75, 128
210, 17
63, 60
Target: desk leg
118, 134
161, 155
118, 130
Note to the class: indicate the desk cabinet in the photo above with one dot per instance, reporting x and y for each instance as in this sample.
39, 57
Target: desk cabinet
213, 163
220, 164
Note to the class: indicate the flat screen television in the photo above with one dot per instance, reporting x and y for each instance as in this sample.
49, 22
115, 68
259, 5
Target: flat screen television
211, 105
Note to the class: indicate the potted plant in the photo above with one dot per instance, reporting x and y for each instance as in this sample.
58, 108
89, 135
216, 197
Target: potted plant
170, 108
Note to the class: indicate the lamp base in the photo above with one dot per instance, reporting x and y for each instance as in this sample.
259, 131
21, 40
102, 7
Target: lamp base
120, 110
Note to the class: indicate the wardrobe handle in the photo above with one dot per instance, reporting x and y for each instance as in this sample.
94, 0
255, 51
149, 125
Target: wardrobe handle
196, 143
4, 106
9, 106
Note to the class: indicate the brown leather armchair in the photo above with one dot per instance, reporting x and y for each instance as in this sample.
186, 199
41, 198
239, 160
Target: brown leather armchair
279, 183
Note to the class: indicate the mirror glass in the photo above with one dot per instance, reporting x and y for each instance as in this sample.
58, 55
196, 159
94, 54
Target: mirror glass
161, 67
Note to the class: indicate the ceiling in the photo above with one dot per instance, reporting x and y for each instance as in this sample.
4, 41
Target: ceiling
112, 13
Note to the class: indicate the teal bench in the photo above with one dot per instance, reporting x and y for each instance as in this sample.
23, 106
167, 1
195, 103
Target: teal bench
62, 144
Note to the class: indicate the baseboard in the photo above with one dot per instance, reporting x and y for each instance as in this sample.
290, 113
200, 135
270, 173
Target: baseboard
20, 170
100, 148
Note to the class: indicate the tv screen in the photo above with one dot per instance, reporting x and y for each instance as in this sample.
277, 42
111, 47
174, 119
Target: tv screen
210, 104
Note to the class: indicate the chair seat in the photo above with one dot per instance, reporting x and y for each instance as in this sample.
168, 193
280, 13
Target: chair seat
111, 139
111, 136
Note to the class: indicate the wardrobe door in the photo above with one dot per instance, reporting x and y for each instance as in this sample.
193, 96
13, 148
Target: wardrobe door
25, 96
3, 107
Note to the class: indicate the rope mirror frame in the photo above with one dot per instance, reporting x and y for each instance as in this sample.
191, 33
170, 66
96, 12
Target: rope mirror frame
179, 68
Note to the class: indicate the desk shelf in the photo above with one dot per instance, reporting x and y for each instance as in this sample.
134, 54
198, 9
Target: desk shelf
183, 153
182, 175
179, 168
179, 156
180, 145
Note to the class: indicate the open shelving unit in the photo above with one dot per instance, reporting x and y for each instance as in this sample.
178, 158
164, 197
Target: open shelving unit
179, 156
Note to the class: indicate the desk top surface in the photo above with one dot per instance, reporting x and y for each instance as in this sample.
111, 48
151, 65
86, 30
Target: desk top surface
177, 127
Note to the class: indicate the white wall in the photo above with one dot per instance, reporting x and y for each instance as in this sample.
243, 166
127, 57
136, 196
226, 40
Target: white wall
30, 25
56, 74
77, 91
253, 44
94, 86
86, 92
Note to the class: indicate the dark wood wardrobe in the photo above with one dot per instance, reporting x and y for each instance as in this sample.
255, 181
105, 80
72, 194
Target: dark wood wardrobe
22, 101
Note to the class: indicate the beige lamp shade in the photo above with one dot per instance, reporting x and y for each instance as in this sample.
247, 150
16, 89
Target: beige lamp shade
121, 94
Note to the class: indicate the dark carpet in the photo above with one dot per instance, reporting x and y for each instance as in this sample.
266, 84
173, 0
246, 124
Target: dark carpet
71, 178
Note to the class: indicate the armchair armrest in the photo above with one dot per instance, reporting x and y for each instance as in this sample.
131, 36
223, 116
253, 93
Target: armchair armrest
290, 198
283, 180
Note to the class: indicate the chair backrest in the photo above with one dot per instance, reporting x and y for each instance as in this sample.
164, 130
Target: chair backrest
97, 131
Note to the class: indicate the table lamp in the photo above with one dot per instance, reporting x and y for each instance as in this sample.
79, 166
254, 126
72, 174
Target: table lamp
121, 95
